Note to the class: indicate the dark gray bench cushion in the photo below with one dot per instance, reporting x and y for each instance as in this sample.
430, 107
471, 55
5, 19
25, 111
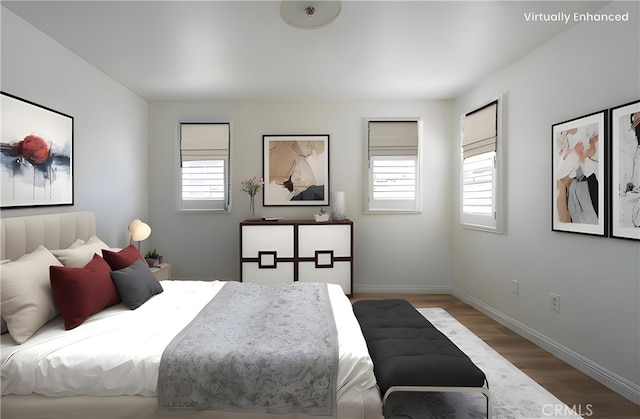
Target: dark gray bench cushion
407, 350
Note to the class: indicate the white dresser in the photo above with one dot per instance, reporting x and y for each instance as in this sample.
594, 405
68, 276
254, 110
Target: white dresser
280, 252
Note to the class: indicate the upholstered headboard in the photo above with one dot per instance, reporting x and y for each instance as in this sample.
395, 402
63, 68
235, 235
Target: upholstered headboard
22, 235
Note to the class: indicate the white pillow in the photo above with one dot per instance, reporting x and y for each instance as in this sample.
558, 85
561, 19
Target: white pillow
78, 257
3, 324
26, 297
76, 243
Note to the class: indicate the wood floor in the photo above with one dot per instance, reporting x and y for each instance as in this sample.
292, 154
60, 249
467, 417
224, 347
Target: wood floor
576, 389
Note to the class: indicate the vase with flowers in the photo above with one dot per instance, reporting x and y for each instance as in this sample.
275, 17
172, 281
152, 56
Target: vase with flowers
252, 186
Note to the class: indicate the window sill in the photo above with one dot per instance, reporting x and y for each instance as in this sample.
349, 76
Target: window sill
393, 211
198, 210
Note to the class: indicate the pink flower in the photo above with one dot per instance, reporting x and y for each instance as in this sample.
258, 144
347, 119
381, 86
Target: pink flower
252, 185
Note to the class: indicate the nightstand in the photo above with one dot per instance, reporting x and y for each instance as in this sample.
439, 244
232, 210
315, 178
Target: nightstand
162, 271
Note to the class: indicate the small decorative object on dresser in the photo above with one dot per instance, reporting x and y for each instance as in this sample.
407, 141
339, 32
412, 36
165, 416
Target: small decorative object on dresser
337, 206
321, 216
252, 186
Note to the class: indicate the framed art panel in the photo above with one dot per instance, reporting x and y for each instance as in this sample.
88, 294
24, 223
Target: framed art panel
625, 171
579, 175
36, 155
296, 170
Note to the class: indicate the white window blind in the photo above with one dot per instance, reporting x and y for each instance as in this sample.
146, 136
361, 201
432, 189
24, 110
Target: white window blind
203, 180
477, 184
394, 178
204, 163
480, 131
479, 173
393, 138
393, 166
204, 141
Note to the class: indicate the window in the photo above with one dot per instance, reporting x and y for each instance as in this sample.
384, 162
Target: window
204, 166
393, 166
480, 163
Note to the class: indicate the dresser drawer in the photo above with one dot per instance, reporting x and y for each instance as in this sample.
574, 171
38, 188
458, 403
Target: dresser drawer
339, 273
271, 238
282, 273
336, 237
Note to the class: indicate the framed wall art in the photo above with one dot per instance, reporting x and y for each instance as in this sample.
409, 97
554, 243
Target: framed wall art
36, 155
296, 170
579, 178
625, 171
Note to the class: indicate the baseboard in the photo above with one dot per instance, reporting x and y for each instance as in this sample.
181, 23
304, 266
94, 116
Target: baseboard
615, 382
401, 289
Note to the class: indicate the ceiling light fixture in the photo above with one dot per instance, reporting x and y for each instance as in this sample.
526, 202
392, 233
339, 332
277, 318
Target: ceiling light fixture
309, 14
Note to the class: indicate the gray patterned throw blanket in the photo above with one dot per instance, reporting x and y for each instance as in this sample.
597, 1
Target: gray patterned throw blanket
255, 348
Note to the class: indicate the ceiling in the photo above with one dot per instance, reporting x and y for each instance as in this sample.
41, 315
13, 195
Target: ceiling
239, 50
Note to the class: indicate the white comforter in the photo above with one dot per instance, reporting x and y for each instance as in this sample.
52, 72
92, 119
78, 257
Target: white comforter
118, 351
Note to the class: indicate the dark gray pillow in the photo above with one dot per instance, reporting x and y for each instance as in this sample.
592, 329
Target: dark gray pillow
136, 284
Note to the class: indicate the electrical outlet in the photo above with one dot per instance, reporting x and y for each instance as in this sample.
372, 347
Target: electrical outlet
555, 302
515, 287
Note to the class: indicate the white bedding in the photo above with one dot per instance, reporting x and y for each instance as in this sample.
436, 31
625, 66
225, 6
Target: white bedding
118, 351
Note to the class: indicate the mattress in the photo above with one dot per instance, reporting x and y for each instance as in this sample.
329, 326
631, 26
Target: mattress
117, 352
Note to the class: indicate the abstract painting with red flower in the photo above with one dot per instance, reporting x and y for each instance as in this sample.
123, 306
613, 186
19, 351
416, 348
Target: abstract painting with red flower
35, 155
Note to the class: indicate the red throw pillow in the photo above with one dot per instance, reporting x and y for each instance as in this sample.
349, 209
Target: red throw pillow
123, 258
81, 292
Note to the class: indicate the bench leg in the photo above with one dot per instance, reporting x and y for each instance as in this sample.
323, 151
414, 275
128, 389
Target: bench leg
428, 389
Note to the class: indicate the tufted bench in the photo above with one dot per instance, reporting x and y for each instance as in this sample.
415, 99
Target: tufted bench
410, 354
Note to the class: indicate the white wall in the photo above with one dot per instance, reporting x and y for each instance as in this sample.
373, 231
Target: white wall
110, 125
408, 252
591, 67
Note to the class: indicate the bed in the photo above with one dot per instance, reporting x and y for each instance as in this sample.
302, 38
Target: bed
107, 366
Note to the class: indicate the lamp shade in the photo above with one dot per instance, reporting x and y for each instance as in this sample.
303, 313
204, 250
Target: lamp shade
139, 230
